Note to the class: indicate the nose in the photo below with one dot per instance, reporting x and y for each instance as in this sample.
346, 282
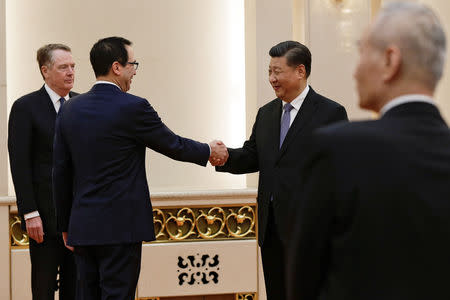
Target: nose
272, 78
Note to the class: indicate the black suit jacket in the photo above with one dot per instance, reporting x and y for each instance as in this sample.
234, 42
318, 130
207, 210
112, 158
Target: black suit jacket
278, 168
99, 180
30, 143
374, 221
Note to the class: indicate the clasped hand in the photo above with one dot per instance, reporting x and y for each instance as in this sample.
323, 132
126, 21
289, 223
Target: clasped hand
219, 153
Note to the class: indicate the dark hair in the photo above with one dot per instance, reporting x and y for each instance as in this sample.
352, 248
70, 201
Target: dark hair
106, 51
45, 54
295, 53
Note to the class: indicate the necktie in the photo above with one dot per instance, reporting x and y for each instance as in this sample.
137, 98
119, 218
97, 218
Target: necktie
61, 102
285, 121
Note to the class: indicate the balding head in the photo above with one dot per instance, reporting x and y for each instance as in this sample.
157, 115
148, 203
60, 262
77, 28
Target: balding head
417, 32
402, 52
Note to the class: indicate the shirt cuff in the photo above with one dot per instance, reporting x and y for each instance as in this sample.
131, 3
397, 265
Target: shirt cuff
30, 215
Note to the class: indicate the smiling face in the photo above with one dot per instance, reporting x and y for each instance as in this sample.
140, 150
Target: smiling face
287, 82
60, 73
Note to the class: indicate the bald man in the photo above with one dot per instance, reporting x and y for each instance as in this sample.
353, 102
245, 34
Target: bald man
375, 220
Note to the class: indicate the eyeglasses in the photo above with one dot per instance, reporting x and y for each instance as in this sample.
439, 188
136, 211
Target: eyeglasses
135, 64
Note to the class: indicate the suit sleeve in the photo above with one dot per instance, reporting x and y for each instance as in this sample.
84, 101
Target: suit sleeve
243, 160
308, 249
20, 132
154, 134
62, 177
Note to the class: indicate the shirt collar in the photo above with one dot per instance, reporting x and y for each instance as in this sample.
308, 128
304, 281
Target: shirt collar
106, 82
297, 102
53, 95
406, 99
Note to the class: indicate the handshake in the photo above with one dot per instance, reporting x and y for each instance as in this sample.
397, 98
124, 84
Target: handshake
219, 153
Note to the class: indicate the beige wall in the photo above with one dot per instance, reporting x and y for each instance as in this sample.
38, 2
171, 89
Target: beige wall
192, 67
3, 105
204, 71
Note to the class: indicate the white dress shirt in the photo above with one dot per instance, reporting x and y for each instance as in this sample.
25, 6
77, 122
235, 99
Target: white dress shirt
296, 103
55, 97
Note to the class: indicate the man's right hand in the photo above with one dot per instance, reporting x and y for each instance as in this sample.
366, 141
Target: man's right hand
219, 153
35, 229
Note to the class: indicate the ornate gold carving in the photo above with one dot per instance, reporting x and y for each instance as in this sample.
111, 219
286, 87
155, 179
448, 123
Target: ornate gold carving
182, 225
246, 296
177, 224
18, 236
159, 222
206, 223
213, 222
242, 223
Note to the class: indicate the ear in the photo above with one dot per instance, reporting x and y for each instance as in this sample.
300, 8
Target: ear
392, 62
116, 68
301, 71
44, 70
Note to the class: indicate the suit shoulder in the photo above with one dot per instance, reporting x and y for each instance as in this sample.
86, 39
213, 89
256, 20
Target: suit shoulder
28, 101
29, 97
270, 105
327, 101
344, 132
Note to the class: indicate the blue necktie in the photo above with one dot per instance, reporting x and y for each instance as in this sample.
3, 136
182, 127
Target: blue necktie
61, 102
285, 121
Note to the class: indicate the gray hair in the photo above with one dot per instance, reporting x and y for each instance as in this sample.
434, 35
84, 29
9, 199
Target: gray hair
417, 31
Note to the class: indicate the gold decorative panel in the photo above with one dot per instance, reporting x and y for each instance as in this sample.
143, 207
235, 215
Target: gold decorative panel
246, 296
183, 223
205, 223
18, 236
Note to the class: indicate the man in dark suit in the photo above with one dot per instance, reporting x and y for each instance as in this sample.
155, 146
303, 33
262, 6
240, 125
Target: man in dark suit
99, 180
375, 219
30, 144
273, 150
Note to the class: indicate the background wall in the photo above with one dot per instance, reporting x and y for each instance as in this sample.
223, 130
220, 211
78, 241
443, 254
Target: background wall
192, 66
203, 63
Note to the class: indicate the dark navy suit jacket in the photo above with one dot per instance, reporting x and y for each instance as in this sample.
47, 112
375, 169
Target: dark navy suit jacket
99, 180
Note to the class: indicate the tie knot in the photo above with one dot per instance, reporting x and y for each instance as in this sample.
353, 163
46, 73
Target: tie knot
288, 107
62, 100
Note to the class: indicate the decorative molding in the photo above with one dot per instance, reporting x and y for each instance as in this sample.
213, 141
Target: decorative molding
183, 224
205, 223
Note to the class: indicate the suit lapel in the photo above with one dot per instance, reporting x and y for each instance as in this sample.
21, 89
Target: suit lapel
275, 119
47, 102
303, 117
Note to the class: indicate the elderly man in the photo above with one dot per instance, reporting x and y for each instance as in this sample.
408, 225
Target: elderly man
274, 150
30, 144
375, 221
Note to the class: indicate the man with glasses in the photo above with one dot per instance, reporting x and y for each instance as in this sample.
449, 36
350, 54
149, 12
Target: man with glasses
30, 144
101, 192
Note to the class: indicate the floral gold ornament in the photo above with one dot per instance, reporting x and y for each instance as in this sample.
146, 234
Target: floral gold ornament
18, 236
181, 225
242, 223
211, 225
159, 222
247, 296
